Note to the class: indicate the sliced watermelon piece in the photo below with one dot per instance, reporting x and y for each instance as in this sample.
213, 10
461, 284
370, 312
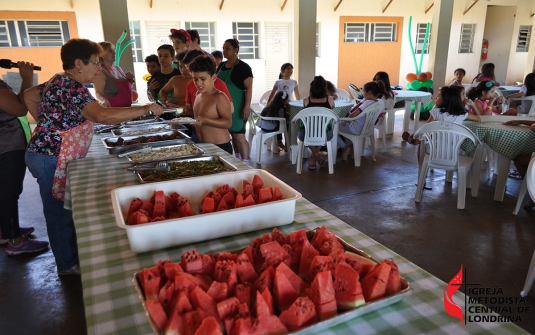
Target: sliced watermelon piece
323, 295
159, 197
217, 199
255, 249
301, 313
185, 210
182, 304
132, 219
183, 284
296, 240
347, 287
239, 201
173, 214
226, 256
319, 264
242, 326
191, 262
265, 280
268, 298
142, 218
209, 326
202, 281
298, 284
243, 293
193, 320
308, 252
265, 195
201, 299
208, 205
330, 245
165, 297
361, 264
148, 207
245, 183
261, 307
374, 284
222, 206
223, 189
265, 322
151, 286
278, 236
339, 256
257, 183
176, 322
248, 251
247, 191
228, 307
277, 194
273, 253
170, 203
246, 272
135, 205
226, 271
229, 199
393, 285
249, 201
283, 292
159, 210
156, 313
293, 258
208, 264
218, 291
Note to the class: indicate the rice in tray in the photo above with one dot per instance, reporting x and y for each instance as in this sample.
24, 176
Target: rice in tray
166, 153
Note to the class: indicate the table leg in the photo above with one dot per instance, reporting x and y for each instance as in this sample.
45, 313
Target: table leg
503, 171
390, 120
416, 116
407, 116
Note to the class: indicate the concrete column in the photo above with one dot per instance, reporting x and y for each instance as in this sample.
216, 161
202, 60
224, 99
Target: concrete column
305, 43
114, 20
440, 30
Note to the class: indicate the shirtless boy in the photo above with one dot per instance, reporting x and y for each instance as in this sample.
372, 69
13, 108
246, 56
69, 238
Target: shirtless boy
212, 109
177, 85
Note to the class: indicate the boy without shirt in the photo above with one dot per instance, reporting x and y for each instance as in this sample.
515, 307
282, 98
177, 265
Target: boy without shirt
212, 109
177, 85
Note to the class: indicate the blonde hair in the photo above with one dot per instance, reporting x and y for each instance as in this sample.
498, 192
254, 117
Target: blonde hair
105, 46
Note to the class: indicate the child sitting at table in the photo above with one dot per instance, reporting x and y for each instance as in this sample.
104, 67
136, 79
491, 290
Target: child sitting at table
459, 75
372, 93
331, 89
212, 109
486, 73
275, 108
527, 90
481, 99
285, 83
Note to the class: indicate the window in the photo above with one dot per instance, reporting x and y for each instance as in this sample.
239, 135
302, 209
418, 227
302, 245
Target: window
420, 37
247, 35
370, 32
524, 34
206, 34
466, 40
135, 34
33, 33
317, 39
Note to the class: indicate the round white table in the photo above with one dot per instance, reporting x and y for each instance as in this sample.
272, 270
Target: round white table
419, 98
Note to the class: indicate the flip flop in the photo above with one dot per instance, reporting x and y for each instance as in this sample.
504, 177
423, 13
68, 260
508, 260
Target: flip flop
425, 187
529, 205
311, 167
514, 174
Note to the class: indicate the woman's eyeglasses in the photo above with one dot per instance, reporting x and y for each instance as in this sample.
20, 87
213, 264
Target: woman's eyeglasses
97, 63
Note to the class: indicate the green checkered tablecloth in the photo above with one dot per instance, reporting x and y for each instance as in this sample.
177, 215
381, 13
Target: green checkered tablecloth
509, 141
112, 305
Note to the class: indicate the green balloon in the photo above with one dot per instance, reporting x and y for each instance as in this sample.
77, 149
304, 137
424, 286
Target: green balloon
416, 85
428, 83
409, 85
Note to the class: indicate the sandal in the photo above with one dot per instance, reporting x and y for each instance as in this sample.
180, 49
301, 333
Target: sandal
346, 152
514, 174
312, 164
320, 161
425, 187
529, 205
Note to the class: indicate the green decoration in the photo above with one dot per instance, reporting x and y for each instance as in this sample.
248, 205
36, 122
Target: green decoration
412, 47
416, 85
423, 47
428, 83
119, 49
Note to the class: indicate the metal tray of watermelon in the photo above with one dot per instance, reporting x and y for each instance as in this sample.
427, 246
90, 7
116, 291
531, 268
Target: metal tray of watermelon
321, 325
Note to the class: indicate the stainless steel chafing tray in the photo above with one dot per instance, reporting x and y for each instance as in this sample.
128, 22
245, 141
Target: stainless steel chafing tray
108, 141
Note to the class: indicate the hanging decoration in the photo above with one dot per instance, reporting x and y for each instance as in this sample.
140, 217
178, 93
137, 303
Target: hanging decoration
418, 79
119, 49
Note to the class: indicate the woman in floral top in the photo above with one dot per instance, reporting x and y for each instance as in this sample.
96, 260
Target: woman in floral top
65, 111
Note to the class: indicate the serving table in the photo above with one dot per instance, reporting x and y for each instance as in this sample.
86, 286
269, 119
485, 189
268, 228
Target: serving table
417, 97
507, 141
112, 305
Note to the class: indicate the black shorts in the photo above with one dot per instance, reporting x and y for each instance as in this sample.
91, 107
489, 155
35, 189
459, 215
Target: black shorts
241, 131
226, 146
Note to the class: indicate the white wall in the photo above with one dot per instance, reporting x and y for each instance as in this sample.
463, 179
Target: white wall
518, 66
499, 32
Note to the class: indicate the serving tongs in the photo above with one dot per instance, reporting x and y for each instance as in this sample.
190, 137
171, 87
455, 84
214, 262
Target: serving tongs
161, 166
143, 150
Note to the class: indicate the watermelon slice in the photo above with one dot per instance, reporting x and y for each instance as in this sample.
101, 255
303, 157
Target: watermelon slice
135, 205
277, 194
185, 210
202, 281
148, 207
142, 218
249, 201
247, 191
209, 326
255, 249
208, 205
193, 320
257, 183
283, 291
170, 203
301, 313
265, 195
159, 210
268, 298
361, 264
273, 253
222, 206
226, 256
223, 189
242, 326
293, 258
248, 251
176, 323
151, 286
201, 299
132, 219
374, 284
347, 287
308, 252
319, 264
278, 236
191, 262
156, 313
393, 285
229, 199
228, 307
218, 291
208, 264
243, 293
246, 272
183, 284
165, 297
266, 322
239, 201
265, 280
298, 284
296, 240
322, 294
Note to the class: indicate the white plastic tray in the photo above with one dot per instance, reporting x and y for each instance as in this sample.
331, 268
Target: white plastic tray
202, 227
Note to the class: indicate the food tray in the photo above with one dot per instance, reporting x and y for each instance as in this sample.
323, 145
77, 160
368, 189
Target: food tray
143, 120
118, 149
320, 325
205, 158
202, 227
181, 120
146, 129
200, 152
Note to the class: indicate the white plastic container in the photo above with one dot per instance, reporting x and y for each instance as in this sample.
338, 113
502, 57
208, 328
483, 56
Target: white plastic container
202, 227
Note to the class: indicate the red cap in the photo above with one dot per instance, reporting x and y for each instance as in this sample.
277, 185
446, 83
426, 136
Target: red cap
182, 32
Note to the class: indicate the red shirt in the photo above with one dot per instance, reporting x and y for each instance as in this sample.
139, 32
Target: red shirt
191, 90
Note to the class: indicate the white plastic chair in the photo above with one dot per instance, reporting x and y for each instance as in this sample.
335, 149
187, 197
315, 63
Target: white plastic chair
252, 128
445, 139
530, 180
343, 94
371, 113
264, 99
381, 125
261, 135
355, 92
315, 121
532, 98
523, 190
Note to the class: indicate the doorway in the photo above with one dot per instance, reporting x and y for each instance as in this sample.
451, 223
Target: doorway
277, 50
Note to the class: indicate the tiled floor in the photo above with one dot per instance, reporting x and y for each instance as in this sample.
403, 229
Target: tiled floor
377, 198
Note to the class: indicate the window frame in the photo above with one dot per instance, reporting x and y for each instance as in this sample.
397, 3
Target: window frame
318, 39
363, 32
25, 33
244, 39
137, 50
467, 48
208, 41
420, 36
522, 43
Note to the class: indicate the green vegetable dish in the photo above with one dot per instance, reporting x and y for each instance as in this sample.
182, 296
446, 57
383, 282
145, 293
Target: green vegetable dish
185, 169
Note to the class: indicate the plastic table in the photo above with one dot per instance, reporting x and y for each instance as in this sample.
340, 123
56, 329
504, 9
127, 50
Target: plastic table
410, 97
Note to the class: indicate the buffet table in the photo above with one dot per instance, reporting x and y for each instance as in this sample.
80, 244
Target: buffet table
112, 305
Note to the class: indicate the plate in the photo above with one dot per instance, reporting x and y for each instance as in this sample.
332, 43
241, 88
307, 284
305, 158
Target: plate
182, 120
320, 325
